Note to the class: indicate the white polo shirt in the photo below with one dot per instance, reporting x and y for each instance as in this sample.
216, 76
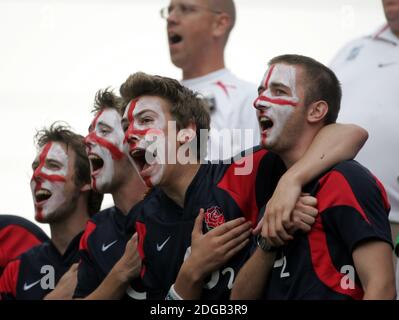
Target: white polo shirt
231, 106
368, 69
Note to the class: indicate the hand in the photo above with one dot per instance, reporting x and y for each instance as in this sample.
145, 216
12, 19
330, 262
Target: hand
129, 265
279, 210
212, 250
304, 214
65, 287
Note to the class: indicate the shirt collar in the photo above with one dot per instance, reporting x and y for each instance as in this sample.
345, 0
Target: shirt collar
385, 34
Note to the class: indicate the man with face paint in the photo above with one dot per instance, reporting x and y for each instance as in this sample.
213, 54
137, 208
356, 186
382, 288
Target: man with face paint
109, 254
62, 198
198, 31
368, 68
163, 122
347, 254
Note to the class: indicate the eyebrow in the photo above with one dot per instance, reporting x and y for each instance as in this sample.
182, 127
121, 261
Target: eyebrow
100, 123
279, 84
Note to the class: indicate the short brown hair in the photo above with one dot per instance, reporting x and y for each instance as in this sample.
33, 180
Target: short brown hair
185, 106
61, 132
106, 98
321, 83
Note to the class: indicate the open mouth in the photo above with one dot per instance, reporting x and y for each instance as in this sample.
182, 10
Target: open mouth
175, 38
96, 162
42, 195
140, 157
265, 123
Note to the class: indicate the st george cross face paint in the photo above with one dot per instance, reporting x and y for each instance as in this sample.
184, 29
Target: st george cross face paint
276, 102
104, 147
146, 136
48, 180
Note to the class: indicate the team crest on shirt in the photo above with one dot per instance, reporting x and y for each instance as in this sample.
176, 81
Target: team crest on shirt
213, 217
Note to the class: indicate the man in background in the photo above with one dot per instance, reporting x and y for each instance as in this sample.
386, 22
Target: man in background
368, 69
198, 31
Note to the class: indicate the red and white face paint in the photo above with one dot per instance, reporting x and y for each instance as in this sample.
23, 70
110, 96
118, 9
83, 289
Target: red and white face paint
104, 146
145, 137
274, 105
48, 180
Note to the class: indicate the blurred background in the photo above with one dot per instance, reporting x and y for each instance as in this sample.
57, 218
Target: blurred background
55, 54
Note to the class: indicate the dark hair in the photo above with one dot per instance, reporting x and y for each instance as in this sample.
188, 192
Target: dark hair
321, 83
59, 132
106, 98
185, 106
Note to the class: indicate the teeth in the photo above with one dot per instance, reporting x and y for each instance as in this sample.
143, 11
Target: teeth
264, 118
94, 157
43, 192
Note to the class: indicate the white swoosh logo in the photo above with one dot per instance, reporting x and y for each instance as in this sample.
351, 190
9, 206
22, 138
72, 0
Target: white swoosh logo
160, 247
29, 286
106, 247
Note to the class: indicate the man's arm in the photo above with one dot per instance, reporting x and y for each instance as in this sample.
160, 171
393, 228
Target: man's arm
209, 252
333, 144
252, 278
125, 270
66, 285
374, 265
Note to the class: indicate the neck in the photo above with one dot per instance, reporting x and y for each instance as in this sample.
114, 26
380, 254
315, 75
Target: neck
130, 193
176, 189
63, 231
206, 63
292, 155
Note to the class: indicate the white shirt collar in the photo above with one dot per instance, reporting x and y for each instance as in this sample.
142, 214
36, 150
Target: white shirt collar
385, 34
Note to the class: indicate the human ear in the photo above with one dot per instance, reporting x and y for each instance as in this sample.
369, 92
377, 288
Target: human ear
317, 111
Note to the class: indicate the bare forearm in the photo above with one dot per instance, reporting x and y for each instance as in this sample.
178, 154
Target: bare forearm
252, 278
189, 283
333, 144
112, 288
380, 291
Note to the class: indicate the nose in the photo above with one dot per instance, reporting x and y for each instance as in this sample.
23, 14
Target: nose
173, 17
37, 177
88, 141
132, 139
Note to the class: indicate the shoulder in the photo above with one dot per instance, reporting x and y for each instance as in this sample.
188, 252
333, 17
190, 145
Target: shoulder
350, 184
22, 225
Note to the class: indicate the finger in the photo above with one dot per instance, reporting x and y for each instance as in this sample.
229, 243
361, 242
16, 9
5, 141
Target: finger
227, 226
74, 267
304, 194
197, 229
135, 237
280, 230
308, 201
309, 210
303, 226
235, 232
236, 241
258, 227
233, 251
273, 242
309, 220
272, 232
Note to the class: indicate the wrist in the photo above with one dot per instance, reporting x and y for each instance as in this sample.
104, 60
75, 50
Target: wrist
120, 274
190, 273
